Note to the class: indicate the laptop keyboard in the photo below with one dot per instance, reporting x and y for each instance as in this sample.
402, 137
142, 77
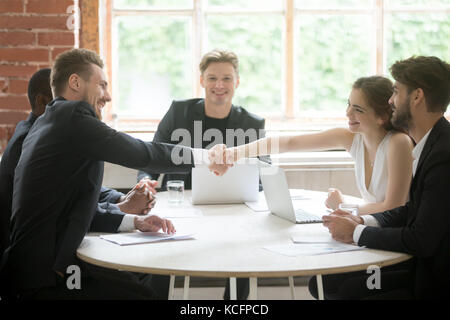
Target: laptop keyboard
304, 216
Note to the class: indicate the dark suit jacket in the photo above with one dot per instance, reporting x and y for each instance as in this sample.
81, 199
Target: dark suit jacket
182, 115
106, 219
57, 184
7, 166
422, 227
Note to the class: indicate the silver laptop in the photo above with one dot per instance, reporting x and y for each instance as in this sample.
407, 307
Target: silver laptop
279, 200
238, 185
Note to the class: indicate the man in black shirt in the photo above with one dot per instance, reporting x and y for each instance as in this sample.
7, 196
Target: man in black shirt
203, 123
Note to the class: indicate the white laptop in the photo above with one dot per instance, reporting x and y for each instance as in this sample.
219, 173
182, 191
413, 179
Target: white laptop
238, 185
279, 200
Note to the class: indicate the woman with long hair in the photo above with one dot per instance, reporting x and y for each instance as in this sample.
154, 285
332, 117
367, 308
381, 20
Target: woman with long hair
382, 154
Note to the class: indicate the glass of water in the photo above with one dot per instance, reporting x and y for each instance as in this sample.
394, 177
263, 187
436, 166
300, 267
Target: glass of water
176, 191
351, 208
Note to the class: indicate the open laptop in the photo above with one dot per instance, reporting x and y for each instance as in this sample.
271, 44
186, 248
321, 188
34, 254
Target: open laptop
279, 200
238, 185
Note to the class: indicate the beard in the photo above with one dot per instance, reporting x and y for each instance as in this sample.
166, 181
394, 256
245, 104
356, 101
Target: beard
402, 117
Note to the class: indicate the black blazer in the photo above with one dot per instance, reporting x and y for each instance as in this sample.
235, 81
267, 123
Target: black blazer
106, 218
7, 166
57, 184
183, 113
422, 227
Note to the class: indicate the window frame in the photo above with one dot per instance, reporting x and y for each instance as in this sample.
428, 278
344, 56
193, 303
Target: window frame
287, 119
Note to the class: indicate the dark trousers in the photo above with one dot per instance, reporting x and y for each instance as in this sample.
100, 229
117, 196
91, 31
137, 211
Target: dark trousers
106, 284
242, 289
395, 284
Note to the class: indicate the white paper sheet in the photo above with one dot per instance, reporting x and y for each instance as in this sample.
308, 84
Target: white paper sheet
311, 249
326, 238
124, 239
261, 204
298, 194
177, 212
258, 206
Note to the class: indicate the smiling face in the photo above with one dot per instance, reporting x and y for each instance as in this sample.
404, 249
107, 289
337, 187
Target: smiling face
219, 80
95, 90
361, 117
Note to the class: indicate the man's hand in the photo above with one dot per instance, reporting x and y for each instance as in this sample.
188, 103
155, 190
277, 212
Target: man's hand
153, 224
346, 214
217, 159
140, 199
149, 184
341, 225
334, 199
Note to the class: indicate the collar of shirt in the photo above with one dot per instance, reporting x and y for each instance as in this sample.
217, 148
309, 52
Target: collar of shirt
417, 151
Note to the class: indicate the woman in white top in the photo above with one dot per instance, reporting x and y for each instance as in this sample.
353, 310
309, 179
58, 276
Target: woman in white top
382, 155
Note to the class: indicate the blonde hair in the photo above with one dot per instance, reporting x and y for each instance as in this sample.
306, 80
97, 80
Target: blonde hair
218, 55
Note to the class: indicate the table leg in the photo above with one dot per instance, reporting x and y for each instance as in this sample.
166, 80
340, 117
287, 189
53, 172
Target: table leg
253, 295
186, 288
233, 294
171, 287
292, 287
320, 286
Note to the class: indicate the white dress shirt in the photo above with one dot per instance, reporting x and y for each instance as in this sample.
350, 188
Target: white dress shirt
127, 223
417, 151
369, 220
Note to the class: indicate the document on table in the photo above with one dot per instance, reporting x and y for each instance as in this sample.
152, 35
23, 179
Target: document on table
257, 206
124, 239
314, 238
177, 212
261, 204
311, 249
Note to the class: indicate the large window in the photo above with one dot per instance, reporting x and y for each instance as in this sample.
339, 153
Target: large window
298, 58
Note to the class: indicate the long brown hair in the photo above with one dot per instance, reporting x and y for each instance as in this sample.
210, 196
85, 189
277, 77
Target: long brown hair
378, 90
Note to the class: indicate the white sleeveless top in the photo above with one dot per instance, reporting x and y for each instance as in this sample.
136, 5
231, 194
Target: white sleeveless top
378, 183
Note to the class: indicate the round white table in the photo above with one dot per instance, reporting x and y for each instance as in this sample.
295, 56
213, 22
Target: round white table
230, 242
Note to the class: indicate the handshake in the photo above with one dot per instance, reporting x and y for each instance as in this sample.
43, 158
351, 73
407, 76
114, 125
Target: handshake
221, 158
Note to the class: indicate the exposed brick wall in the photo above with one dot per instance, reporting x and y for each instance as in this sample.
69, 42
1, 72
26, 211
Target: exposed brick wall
32, 34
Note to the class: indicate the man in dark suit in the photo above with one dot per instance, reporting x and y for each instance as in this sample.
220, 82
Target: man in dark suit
113, 205
39, 94
421, 227
203, 123
57, 183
